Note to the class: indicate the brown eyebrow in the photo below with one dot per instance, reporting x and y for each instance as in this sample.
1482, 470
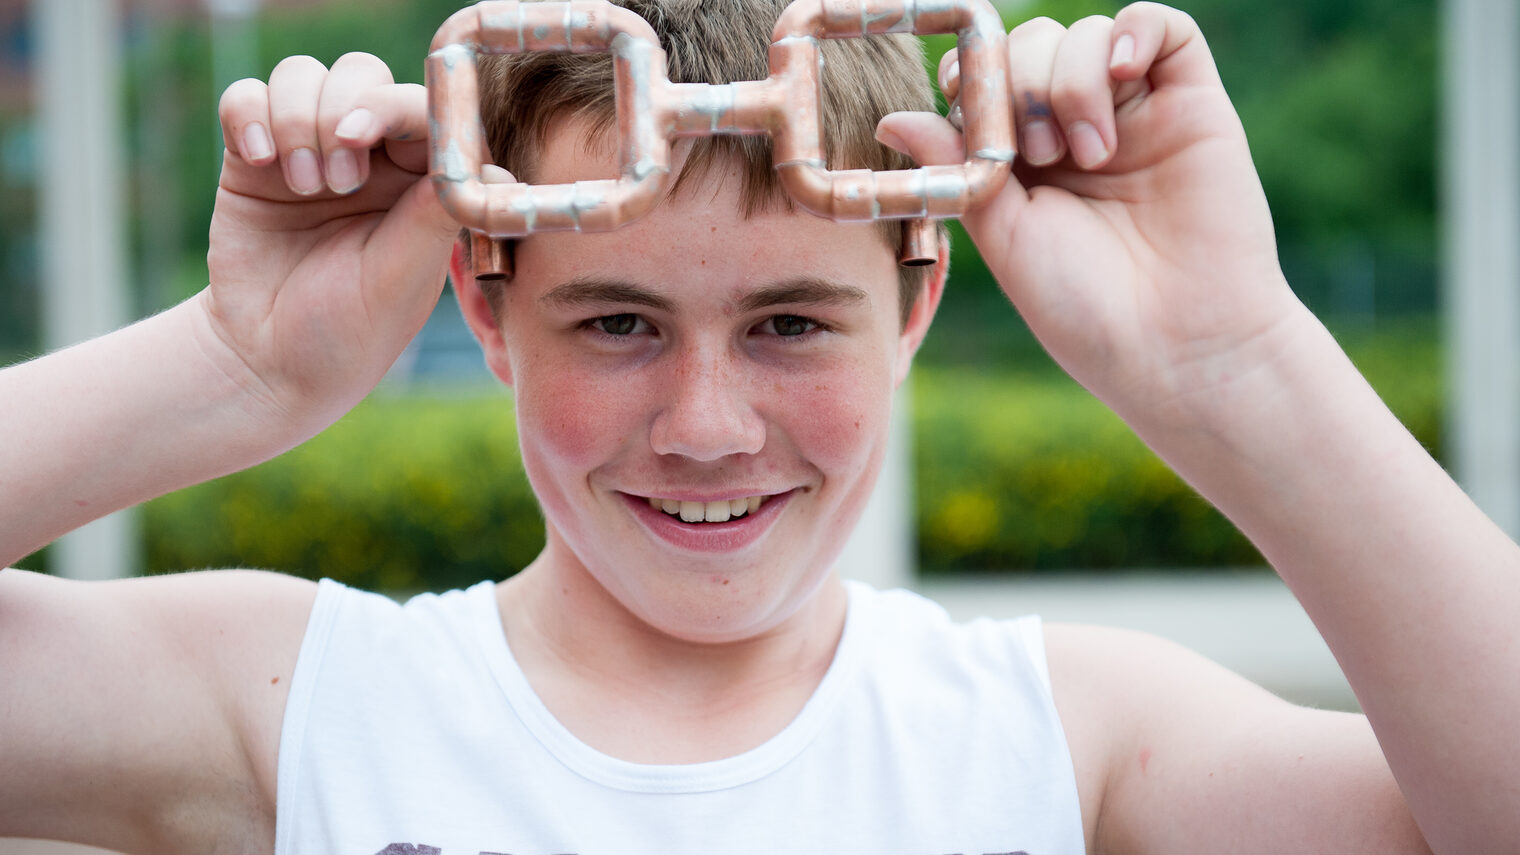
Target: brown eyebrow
806, 291
584, 290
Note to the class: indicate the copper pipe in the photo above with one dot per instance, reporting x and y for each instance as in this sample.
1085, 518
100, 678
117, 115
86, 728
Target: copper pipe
490, 258
920, 243
652, 111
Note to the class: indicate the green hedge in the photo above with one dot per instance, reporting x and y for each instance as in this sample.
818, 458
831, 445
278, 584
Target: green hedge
1029, 472
1015, 471
402, 494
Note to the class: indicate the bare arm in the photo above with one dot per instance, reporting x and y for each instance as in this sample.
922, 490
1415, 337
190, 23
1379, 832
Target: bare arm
144, 715
312, 296
121, 419
1197, 759
1412, 587
1140, 250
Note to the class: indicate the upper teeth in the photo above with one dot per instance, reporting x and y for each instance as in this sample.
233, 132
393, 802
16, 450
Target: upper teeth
720, 511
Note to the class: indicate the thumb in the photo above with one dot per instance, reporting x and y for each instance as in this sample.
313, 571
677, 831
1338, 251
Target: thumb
412, 245
926, 137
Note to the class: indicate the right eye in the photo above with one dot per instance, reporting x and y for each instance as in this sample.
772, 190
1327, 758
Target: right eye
618, 325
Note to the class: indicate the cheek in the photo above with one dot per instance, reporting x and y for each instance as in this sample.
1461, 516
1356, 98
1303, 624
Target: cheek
576, 419
839, 419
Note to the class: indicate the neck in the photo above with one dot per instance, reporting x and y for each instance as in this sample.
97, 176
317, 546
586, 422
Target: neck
606, 674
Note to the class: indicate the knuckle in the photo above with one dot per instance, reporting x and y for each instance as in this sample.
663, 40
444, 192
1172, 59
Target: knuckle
1030, 103
299, 64
1093, 22
1036, 28
243, 94
359, 56
1073, 97
363, 62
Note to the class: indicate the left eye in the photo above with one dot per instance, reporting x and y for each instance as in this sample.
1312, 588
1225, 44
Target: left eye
789, 325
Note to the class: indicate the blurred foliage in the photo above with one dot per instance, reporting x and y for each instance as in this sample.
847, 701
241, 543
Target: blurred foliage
1020, 471
1338, 99
1339, 104
402, 494
1027, 471
1018, 468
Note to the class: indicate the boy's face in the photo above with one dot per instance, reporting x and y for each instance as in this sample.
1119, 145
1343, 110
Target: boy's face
707, 360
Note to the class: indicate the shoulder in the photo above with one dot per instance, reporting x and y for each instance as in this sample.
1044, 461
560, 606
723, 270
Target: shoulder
142, 690
1174, 752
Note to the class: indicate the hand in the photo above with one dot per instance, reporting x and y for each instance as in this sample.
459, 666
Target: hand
1135, 240
328, 245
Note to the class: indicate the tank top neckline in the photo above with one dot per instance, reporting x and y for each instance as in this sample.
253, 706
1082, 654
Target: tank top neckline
708, 776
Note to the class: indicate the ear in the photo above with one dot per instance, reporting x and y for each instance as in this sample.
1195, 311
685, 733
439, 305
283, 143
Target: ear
478, 314
922, 313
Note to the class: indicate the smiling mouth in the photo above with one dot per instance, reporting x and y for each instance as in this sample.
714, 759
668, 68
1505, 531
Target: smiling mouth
720, 511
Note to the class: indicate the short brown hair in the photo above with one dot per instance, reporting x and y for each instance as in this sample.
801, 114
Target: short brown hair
715, 41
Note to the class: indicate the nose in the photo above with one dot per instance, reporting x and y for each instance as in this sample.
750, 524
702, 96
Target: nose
707, 414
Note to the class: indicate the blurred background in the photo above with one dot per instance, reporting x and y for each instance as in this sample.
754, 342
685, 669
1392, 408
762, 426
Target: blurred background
1018, 490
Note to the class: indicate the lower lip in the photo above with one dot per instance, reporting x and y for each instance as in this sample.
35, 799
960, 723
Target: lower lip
708, 537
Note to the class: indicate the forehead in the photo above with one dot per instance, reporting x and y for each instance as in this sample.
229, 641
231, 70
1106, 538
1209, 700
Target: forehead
700, 231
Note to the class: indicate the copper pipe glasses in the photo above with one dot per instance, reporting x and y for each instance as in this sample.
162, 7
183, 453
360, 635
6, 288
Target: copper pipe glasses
652, 111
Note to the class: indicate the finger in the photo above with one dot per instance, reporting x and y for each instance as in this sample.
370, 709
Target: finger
490, 173
244, 114
1162, 42
950, 74
1081, 91
397, 112
927, 138
295, 87
1032, 50
353, 75
396, 115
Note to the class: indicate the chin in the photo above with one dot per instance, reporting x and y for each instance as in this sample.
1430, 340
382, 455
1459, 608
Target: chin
710, 602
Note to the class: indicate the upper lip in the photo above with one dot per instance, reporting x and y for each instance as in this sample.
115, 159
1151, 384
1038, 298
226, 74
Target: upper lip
680, 495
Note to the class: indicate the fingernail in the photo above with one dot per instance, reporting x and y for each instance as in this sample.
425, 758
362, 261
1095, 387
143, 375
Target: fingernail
304, 172
490, 173
1086, 145
891, 140
256, 142
1040, 144
342, 171
1124, 51
951, 85
356, 124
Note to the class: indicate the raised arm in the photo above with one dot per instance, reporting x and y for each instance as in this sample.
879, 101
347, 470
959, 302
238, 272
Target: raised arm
312, 297
144, 715
1138, 246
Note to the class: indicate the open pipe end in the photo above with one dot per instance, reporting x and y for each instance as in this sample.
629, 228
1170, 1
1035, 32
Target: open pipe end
920, 243
490, 257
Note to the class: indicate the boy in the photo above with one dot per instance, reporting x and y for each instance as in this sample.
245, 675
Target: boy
702, 400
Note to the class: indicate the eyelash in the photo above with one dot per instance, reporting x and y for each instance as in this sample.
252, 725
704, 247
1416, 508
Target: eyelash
597, 326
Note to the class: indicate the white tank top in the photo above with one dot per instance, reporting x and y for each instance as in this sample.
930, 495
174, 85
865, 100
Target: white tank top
410, 730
